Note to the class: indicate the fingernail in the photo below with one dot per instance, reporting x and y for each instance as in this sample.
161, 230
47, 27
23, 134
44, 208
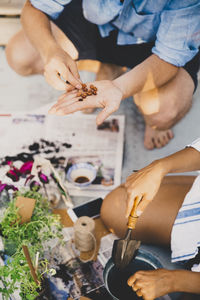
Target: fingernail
78, 86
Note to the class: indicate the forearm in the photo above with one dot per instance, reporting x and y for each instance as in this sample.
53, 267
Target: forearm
186, 281
185, 160
151, 73
38, 30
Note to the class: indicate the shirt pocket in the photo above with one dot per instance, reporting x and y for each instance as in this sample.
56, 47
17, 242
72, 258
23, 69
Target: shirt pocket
143, 26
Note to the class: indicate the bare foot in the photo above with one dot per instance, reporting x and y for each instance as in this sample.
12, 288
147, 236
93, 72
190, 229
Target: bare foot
106, 72
156, 138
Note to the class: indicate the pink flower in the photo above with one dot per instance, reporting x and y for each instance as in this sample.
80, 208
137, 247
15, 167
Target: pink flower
35, 185
13, 174
26, 167
43, 178
4, 186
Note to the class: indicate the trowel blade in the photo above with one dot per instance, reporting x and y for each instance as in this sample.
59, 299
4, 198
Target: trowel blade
121, 261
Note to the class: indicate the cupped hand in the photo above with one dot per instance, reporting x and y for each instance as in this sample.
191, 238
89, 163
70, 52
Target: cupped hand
108, 98
61, 71
143, 184
152, 284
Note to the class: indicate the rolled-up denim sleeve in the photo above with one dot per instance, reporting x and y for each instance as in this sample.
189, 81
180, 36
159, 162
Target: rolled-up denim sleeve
195, 144
52, 8
178, 36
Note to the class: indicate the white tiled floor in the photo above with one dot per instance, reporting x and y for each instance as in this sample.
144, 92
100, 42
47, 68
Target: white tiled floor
29, 93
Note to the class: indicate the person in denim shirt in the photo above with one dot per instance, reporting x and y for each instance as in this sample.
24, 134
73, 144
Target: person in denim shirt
158, 40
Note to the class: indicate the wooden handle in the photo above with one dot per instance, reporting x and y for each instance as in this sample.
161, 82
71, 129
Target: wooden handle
28, 258
132, 219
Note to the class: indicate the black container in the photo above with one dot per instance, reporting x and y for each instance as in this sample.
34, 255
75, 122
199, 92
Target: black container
116, 280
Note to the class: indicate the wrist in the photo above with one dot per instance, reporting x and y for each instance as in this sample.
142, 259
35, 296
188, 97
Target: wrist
161, 167
117, 83
182, 281
176, 282
49, 50
120, 92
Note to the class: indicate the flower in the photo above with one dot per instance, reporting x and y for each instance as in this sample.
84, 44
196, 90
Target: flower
2, 186
26, 167
52, 272
7, 187
43, 178
35, 185
28, 179
14, 174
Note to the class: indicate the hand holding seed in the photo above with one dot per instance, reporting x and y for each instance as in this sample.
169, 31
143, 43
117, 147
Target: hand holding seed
86, 92
99, 94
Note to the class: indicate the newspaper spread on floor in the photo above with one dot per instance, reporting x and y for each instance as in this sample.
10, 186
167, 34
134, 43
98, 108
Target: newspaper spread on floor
65, 141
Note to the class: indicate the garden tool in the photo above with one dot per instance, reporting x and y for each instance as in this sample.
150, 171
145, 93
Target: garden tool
125, 249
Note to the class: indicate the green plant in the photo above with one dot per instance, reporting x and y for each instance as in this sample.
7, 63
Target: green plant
43, 226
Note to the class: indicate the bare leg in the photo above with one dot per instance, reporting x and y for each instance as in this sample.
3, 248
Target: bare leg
26, 60
164, 107
155, 224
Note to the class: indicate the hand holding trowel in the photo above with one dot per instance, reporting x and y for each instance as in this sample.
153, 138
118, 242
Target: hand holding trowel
125, 249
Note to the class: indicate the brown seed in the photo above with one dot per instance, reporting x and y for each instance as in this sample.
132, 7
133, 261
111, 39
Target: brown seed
94, 92
84, 85
80, 99
83, 95
89, 93
92, 86
95, 88
85, 89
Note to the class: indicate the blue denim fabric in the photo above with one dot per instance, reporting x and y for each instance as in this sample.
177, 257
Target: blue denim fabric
173, 25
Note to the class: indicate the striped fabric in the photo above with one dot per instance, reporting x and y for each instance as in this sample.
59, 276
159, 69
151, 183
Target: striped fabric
185, 238
195, 144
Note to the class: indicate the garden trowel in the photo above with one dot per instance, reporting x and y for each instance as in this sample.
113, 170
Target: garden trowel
125, 249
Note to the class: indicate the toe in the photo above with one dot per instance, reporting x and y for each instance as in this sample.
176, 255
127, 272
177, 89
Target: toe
157, 142
148, 143
148, 138
164, 139
170, 134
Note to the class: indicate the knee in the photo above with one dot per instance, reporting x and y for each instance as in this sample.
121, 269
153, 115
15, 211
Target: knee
164, 120
16, 57
162, 109
113, 211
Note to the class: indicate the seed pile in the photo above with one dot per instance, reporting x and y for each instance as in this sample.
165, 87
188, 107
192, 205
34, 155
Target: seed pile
84, 92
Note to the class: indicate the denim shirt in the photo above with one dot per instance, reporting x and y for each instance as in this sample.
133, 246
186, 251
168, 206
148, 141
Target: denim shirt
174, 25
